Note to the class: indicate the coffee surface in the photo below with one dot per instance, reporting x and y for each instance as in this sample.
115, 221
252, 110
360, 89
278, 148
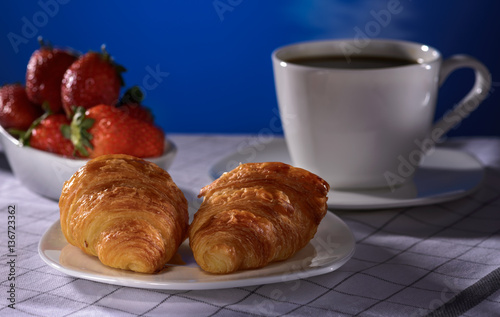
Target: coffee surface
354, 62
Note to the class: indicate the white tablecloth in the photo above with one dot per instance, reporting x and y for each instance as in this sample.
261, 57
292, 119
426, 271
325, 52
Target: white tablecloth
441, 259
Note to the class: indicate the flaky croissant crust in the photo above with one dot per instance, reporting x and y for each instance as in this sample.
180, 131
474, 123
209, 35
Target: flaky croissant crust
256, 214
126, 211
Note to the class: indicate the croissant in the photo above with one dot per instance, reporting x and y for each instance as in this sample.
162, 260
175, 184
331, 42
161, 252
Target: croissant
126, 211
256, 214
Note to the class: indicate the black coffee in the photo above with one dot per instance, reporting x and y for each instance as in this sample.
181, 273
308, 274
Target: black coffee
354, 62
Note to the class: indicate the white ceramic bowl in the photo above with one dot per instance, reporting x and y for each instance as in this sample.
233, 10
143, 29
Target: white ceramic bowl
45, 173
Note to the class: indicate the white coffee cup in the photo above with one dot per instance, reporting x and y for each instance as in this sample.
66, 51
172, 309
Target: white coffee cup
369, 127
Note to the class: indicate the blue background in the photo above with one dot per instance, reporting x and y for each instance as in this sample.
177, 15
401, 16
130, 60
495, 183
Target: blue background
217, 53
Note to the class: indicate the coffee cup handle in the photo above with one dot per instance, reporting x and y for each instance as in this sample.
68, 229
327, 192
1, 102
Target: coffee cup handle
471, 101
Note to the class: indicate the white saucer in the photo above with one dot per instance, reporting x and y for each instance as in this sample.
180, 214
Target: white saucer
332, 246
445, 174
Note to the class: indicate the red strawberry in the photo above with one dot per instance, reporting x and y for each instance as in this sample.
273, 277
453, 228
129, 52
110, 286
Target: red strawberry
44, 74
114, 131
48, 135
131, 103
93, 79
16, 110
138, 111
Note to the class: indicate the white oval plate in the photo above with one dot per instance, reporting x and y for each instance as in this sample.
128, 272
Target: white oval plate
443, 175
332, 246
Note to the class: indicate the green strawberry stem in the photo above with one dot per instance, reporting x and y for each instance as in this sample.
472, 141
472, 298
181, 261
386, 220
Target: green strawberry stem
118, 68
17, 133
24, 136
104, 54
44, 44
78, 133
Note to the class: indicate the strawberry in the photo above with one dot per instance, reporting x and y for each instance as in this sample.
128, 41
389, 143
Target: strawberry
16, 110
114, 131
44, 74
131, 103
48, 135
91, 80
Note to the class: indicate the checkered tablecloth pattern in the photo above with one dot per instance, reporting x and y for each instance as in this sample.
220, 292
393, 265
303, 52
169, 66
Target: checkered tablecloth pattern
437, 260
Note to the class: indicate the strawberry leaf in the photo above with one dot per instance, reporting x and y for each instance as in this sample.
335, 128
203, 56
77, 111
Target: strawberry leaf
78, 132
66, 131
132, 95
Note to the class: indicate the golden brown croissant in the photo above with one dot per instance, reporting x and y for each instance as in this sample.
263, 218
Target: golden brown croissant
126, 211
256, 214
